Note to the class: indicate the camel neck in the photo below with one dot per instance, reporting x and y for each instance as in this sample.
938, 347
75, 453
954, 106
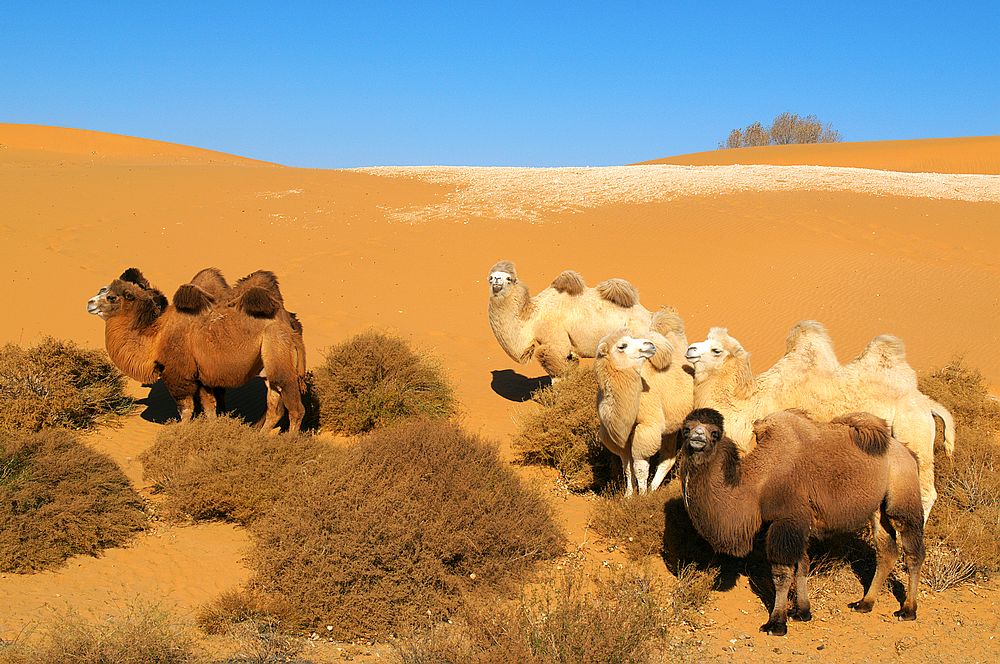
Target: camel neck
132, 350
619, 396
510, 319
733, 383
719, 499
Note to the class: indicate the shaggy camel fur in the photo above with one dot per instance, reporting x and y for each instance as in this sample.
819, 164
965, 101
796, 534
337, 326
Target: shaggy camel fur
562, 323
195, 351
642, 398
802, 480
810, 377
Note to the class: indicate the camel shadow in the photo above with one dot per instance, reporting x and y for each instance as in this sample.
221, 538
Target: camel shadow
247, 403
684, 547
514, 387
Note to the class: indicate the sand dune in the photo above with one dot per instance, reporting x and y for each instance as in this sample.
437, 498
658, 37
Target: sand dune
755, 248
973, 154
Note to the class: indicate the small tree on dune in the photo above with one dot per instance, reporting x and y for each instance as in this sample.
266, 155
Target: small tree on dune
785, 129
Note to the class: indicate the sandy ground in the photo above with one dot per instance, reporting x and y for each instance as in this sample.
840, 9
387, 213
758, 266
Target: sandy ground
755, 248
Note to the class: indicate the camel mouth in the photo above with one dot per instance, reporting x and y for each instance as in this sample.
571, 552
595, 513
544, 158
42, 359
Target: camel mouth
648, 350
692, 357
697, 441
92, 308
496, 288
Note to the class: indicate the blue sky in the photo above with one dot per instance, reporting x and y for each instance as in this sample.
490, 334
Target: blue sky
535, 84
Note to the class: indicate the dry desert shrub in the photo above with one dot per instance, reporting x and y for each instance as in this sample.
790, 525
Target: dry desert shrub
635, 523
144, 635
615, 617
60, 498
58, 384
563, 432
223, 469
963, 532
374, 379
785, 129
397, 528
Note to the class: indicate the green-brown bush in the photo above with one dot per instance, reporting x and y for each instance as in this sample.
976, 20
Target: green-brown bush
58, 384
616, 617
785, 129
397, 528
563, 432
374, 379
223, 469
144, 635
60, 498
963, 532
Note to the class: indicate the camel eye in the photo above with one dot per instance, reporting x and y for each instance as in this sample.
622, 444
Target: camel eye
622, 346
715, 434
112, 298
129, 296
716, 351
687, 431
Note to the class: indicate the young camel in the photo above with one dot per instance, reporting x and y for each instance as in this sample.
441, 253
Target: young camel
804, 479
642, 398
148, 341
809, 377
562, 323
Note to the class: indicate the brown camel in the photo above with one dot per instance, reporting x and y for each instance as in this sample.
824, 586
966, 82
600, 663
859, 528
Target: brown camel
804, 479
194, 345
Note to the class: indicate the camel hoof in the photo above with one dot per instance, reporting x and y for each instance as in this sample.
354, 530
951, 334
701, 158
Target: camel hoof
860, 607
774, 629
904, 614
802, 616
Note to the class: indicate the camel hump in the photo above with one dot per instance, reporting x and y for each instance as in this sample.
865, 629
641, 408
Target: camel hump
806, 330
192, 300
569, 282
869, 433
211, 281
264, 279
885, 350
504, 266
134, 276
618, 291
259, 303
666, 321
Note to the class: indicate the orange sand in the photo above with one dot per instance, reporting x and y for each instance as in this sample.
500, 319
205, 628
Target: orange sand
973, 154
409, 253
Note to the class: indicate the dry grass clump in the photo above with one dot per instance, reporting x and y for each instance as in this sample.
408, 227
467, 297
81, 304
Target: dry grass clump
374, 379
143, 635
635, 524
963, 532
58, 384
617, 617
785, 129
563, 432
397, 528
223, 469
60, 498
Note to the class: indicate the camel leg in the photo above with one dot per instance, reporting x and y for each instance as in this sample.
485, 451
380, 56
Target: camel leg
910, 532
185, 406
206, 397
661, 472
928, 494
886, 554
640, 468
802, 608
776, 624
668, 457
275, 409
556, 358
627, 471
292, 400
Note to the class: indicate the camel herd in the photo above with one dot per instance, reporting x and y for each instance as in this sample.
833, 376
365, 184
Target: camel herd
767, 460
807, 448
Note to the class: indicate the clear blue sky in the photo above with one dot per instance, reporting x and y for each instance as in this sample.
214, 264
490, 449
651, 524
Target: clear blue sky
534, 83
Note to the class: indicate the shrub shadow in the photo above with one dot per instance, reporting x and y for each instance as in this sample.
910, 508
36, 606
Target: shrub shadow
514, 387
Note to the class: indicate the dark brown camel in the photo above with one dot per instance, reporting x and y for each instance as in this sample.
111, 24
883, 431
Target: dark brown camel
804, 479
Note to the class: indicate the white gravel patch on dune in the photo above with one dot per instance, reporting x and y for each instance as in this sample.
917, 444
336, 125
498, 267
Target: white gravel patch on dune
526, 193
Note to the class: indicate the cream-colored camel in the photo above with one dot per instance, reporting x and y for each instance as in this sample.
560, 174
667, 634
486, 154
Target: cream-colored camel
148, 340
562, 323
643, 396
810, 377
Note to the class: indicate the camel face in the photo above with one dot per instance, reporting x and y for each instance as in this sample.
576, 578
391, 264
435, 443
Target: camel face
709, 355
700, 436
94, 304
500, 280
110, 300
626, 352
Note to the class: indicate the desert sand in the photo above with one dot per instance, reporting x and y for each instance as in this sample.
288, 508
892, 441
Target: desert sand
844, 236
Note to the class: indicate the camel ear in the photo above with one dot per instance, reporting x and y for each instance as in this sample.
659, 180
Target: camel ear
602, 349
134, 276
259, 303
191, 300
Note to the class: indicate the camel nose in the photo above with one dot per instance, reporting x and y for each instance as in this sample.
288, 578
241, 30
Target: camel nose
648, 349
692, 354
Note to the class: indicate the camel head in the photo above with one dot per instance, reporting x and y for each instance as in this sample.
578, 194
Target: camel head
701, 432
624, 351
502, 275
710, 355
129, 295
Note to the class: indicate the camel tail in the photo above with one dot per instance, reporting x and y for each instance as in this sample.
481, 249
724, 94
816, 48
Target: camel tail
258, 302
618, 291
192, 300
948, 423
569, 282
300, 349
666, 321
